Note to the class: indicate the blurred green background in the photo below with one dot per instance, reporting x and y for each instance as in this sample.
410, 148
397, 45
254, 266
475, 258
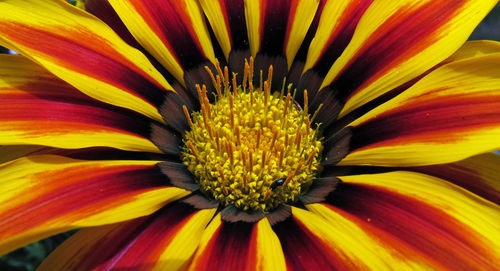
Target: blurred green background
29, 257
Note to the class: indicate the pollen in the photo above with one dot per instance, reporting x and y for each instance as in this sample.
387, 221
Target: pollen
251, 148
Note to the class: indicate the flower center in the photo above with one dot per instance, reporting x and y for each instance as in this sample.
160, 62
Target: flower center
251, 148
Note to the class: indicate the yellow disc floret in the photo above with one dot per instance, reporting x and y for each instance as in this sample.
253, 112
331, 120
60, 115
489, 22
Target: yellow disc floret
252, 149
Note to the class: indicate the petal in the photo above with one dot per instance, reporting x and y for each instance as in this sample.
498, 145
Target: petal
308, 249
37, 108
396, 41
164, 240
353, 246
301, 15
447, 225
84, 52
451, 114
475, 48
478, 174
45, 194
103, 10
173, 31
278, 27
335, 29
227, 18
238, 246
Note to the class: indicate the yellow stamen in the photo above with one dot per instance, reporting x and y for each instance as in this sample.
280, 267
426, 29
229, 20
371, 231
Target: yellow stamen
249, 138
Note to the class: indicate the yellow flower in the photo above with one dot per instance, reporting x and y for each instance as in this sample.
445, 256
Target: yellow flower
333, 135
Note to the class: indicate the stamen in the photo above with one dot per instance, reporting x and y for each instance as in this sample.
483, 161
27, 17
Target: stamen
290, 176
297, 140
235, 85
245, 75
188, 117
280, 161
316, 112
310, 158
231, 108
250, 159
259, 132
218, 87
209, 71
306, 102
270, 76
226, 80
251, 148
193, 150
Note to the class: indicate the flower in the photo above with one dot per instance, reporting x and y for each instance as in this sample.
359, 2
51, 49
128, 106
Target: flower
363, 148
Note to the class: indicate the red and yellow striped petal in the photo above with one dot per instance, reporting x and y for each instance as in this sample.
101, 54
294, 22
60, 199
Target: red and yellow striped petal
164, 241
335, 28
423, 217
83, 51
37, 108
342, 244
105, 12
45, 194
173, 31
396, 41
238, 246
449, 115
475, 48
227, 19
479, 174
278, 27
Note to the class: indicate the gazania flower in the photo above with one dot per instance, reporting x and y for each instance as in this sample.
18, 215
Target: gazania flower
251, 134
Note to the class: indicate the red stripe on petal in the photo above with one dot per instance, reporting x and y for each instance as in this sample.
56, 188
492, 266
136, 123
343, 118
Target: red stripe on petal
438, 237
103, 63
232, 247
171, 22
103, 10
84, 189
305, 251
274, 19
302, 53
394, 43
426, 120
472, 174
145, 249
135, 244
234, 12
341, 36
45, 103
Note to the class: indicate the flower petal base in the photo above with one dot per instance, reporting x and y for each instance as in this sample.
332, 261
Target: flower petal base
252, 148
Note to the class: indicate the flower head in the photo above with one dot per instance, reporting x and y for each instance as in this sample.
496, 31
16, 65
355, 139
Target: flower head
239, 134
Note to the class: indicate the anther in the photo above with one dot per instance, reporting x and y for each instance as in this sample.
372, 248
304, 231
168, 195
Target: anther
297, 140
290, 176
188, 117
235, 85
316, 112
263, 160
251, 138
226, 79
231, 109
280, 161
259, 132
211, 74
310, 158
193, 150
245, 75
270, 76
306, 102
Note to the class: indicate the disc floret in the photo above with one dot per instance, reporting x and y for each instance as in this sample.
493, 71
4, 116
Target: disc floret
251, 148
